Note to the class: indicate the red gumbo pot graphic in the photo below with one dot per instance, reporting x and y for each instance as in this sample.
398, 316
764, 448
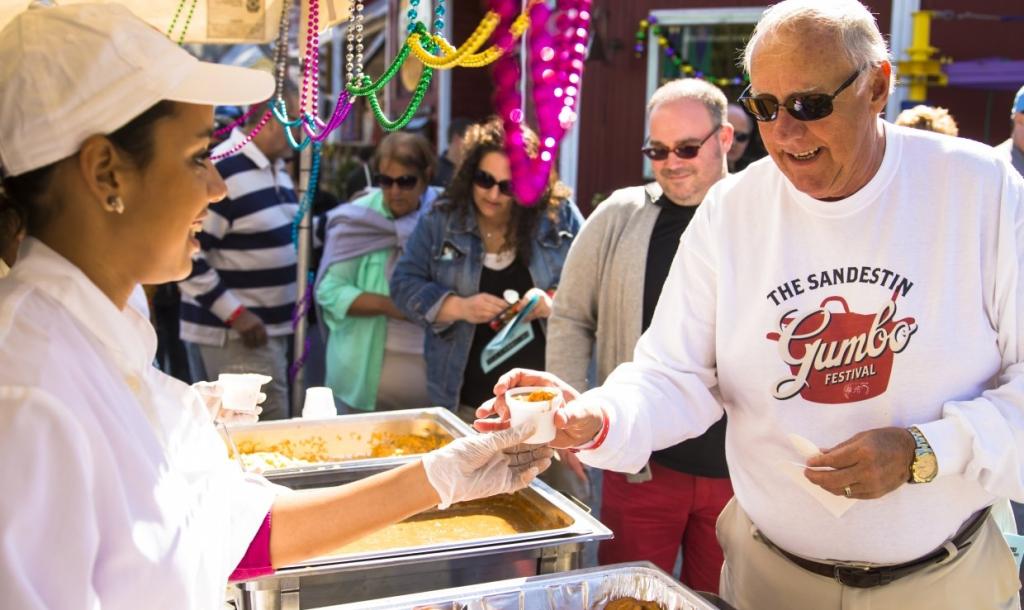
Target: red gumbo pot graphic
839, 356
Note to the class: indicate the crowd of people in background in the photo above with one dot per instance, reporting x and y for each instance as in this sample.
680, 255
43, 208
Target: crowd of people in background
432, 280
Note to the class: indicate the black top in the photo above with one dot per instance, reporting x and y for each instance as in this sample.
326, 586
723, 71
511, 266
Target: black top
703, 456
478, 386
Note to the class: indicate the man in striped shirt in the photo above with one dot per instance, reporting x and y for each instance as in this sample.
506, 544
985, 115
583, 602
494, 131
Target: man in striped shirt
236, 306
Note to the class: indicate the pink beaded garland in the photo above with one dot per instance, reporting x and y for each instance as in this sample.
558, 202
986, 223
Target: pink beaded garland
556, 66
248, 138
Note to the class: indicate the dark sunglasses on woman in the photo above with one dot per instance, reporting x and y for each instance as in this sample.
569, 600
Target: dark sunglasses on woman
660, 153
486, 181
803, 107
406, 182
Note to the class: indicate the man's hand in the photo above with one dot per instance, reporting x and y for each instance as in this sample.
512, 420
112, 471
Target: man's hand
574, 464
871, 463
575, 424
251, 328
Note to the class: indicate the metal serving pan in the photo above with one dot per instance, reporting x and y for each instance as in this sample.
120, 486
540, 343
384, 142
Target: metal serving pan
554, 532
535, 512
362, 440
589, 589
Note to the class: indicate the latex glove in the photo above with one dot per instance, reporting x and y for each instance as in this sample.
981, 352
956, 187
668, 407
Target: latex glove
211, 392
484, 465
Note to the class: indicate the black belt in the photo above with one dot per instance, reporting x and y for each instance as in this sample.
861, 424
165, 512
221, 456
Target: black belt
865, 577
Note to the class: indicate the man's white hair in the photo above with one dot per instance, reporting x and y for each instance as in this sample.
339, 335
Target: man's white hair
851, 21
693, 89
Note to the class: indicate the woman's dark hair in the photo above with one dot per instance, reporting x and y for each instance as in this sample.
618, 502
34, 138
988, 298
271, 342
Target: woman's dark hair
409, 149
21, 199
488, 137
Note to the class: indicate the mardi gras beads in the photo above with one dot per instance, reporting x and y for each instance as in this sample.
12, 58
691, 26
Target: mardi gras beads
556, 67
188, 20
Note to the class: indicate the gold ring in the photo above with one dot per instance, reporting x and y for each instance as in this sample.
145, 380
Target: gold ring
847, 491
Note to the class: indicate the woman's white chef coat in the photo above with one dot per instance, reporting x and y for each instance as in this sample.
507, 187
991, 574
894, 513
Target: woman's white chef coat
117, 492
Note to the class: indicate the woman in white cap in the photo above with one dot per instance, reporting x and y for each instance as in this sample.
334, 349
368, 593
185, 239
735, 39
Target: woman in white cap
117, 492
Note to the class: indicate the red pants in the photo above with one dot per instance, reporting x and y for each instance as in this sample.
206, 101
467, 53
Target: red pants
651, 520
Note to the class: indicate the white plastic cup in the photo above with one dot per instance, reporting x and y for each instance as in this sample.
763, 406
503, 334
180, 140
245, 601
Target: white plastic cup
319, 403
541, 413
241, 390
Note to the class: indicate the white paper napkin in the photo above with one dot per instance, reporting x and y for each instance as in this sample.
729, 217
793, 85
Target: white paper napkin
837, 505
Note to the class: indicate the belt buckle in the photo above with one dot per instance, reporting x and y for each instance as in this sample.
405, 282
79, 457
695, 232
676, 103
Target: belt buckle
858, 575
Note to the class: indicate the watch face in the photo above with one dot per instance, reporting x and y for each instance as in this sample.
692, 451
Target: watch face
925, 468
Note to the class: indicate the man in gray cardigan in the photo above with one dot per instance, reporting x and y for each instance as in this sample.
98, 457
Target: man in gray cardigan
610, 285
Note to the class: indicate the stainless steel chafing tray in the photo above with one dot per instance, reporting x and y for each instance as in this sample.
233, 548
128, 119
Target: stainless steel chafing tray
346, 440
553, 531
590, 589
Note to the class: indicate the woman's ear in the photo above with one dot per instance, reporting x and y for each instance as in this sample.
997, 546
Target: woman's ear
102, 170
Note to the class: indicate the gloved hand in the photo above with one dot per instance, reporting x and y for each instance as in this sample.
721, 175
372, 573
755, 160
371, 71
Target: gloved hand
484, 465
211, 392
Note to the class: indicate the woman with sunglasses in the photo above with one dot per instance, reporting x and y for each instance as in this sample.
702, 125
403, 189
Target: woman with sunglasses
374, 354
117, 491
475, 248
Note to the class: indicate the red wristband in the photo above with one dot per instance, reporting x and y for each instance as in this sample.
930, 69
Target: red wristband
599, 439
234, 315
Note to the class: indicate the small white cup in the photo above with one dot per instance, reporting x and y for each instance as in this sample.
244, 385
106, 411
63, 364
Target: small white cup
241, 390
541, 413
319, 403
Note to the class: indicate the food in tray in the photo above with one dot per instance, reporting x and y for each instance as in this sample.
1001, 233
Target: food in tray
441, 529
497, 516
261, 461
314, 449
631, 603
388, 444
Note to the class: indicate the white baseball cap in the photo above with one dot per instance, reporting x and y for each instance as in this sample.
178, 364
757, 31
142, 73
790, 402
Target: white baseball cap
71, 72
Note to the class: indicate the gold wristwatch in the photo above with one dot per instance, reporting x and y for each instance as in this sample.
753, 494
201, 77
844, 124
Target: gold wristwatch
924, 467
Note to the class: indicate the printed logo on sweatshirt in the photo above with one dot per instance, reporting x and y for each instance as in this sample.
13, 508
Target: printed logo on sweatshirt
836, 355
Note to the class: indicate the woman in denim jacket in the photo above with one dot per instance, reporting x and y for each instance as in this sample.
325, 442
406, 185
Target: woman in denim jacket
469, 252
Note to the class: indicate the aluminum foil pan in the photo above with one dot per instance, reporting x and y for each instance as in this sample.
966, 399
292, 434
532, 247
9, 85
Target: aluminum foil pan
589, 589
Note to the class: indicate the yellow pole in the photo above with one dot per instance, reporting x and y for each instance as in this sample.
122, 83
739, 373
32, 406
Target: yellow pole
921, 69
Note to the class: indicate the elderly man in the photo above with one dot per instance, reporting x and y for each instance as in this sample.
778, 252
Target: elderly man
743, 130
1013, 148
605, 300
855, 304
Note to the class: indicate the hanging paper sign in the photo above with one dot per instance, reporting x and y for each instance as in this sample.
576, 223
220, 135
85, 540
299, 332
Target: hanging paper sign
236, 20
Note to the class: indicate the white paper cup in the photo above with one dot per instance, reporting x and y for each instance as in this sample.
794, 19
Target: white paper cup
540, 413
319, 403
241, 390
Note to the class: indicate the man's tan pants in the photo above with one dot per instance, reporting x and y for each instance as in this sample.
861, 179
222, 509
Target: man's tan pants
755, 577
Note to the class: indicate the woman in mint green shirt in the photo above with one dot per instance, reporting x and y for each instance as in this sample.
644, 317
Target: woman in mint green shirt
374, 354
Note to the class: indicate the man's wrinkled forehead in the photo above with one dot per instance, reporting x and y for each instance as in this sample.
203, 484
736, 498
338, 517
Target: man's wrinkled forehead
806, 53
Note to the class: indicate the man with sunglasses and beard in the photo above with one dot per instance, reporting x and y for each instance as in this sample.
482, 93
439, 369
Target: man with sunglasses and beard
855, 304
675, 500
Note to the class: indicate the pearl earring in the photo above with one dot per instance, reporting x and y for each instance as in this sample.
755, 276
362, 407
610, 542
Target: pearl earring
115, 204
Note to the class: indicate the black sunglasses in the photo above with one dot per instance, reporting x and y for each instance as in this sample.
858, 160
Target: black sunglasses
805, 107
660, 153
406, 182
740, 137
486, 181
